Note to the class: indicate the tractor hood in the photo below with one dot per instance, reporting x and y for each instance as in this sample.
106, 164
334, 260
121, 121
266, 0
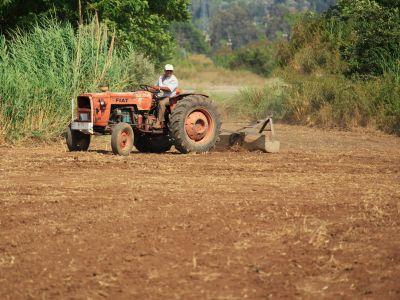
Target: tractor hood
98, 106
117, 94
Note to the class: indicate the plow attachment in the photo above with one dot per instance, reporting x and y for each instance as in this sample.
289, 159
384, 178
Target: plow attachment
257, 137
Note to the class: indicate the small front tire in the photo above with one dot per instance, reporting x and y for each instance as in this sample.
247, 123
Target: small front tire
76, 140
122, 139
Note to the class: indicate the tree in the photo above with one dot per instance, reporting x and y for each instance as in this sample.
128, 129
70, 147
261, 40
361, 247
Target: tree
276, 22
234, 26
141, 23
389, 3
189, 38
363, 34
374, 33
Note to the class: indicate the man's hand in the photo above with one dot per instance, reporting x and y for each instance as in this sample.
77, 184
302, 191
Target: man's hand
162, 88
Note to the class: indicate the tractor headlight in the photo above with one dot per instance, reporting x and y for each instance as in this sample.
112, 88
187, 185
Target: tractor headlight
102, 104
84, 117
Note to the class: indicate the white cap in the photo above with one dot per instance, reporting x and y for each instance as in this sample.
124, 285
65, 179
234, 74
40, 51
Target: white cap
169, 67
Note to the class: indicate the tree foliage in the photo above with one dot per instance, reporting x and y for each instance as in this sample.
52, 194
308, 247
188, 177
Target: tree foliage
364, 33
371, 33
141, 23
269, 16
234, 26
189, 38
258, 57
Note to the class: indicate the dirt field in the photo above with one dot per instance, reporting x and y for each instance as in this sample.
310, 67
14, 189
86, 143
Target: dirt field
321, 219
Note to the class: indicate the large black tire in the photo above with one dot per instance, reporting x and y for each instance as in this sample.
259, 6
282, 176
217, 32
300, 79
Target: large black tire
195, 124
122, 139
152, 143
76, 140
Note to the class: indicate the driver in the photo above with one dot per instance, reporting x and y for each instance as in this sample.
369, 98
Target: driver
166, 85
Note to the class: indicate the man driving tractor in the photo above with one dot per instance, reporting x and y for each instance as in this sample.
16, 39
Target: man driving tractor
167, 85
193, 121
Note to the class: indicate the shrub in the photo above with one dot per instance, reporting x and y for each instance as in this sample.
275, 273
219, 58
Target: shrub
374, 32
314, 47
361, 33
258, 57
387, 103
257, 103
335, 101
328, 101
223, 57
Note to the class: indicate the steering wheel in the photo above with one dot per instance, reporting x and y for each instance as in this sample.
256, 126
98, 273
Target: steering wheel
148, 88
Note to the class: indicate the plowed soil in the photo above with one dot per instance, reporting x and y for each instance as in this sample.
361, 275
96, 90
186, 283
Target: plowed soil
321, 219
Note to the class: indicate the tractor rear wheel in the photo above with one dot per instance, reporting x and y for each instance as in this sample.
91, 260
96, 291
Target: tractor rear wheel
122, 139
76, 140
152, 143
195, 124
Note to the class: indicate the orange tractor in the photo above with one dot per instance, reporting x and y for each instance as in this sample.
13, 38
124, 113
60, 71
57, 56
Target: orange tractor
192, 122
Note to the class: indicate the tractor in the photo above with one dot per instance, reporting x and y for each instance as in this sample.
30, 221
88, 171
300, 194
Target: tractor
192, 123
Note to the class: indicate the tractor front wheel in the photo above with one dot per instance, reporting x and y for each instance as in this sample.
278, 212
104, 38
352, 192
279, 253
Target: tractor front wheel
195, 124
122, 139
76, 140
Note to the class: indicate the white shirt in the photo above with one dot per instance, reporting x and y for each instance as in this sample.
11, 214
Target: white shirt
169, 82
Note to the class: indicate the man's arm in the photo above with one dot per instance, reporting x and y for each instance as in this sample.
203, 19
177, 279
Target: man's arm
170, 87
164, 88
158, 86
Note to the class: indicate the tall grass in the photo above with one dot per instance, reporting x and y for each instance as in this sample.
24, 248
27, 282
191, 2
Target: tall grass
42, 70
328, 101
258, 102
387, 103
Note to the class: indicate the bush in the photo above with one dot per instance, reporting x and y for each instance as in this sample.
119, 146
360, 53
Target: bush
257, 103
314, 47
359, 33
223, 57
335, 101
387, 103
41, 71
328, 101
373, 33
258, 57
343, 68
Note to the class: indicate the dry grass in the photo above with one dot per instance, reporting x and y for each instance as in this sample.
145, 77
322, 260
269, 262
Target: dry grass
198, 72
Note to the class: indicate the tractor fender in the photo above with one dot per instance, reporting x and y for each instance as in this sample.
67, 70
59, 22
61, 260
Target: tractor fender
174, 100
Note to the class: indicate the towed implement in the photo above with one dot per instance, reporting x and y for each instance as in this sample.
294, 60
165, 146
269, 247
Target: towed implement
192, 123
256, 137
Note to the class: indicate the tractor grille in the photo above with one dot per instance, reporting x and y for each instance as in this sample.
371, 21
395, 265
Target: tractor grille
84, 109
84, 117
